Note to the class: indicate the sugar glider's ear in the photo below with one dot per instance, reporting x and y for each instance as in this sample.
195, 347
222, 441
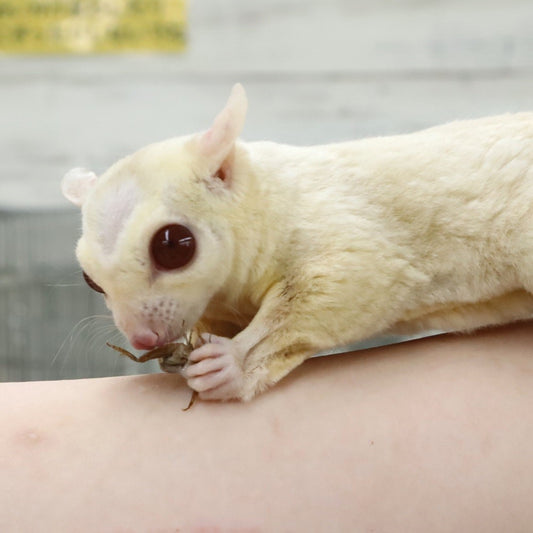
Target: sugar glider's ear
216, 144
76, 184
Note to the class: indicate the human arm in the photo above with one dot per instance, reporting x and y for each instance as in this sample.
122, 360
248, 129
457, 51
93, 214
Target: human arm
431, 435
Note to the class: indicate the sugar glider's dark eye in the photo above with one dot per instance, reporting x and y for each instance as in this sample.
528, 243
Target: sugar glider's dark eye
172, 247
92, 284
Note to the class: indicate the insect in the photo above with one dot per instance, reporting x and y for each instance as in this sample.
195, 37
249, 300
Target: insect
172, 358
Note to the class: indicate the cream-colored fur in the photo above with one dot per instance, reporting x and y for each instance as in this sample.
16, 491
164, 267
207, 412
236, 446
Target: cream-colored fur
306, 248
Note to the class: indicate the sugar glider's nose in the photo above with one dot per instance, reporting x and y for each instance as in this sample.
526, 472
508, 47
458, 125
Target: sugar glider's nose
145, 340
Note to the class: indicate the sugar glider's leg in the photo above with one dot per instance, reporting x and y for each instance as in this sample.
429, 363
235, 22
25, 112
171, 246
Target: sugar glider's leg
223, 369
266, 350
282, 335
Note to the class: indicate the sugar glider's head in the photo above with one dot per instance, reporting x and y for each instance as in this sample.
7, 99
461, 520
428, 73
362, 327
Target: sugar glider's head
156, 237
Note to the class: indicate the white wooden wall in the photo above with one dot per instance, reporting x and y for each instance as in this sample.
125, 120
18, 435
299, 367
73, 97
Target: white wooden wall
315, 71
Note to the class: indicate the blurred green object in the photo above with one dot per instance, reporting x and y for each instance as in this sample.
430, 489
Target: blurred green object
91, 26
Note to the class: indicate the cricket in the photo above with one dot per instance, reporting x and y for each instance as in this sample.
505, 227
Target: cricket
172, 358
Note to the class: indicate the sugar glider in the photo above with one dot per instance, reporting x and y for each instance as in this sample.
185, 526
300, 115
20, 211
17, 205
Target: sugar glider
280, 251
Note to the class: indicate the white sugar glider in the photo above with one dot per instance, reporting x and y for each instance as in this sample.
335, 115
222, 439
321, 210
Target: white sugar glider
281, 251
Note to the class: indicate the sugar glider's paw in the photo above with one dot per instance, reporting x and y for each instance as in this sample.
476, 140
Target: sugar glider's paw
215, 369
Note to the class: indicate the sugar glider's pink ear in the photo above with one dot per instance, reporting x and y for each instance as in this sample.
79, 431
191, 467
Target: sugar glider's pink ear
216, 144
76, 184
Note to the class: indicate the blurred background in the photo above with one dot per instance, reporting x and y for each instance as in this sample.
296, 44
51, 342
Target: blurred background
85, 83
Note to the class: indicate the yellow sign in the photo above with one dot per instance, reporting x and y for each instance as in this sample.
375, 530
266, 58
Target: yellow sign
88, 26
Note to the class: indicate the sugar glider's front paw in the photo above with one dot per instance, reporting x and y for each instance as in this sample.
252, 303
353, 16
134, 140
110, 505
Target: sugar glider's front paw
215, 369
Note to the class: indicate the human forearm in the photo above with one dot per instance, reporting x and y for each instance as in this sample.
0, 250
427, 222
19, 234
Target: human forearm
432, 435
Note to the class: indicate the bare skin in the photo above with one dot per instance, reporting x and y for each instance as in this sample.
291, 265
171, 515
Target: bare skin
433, 435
